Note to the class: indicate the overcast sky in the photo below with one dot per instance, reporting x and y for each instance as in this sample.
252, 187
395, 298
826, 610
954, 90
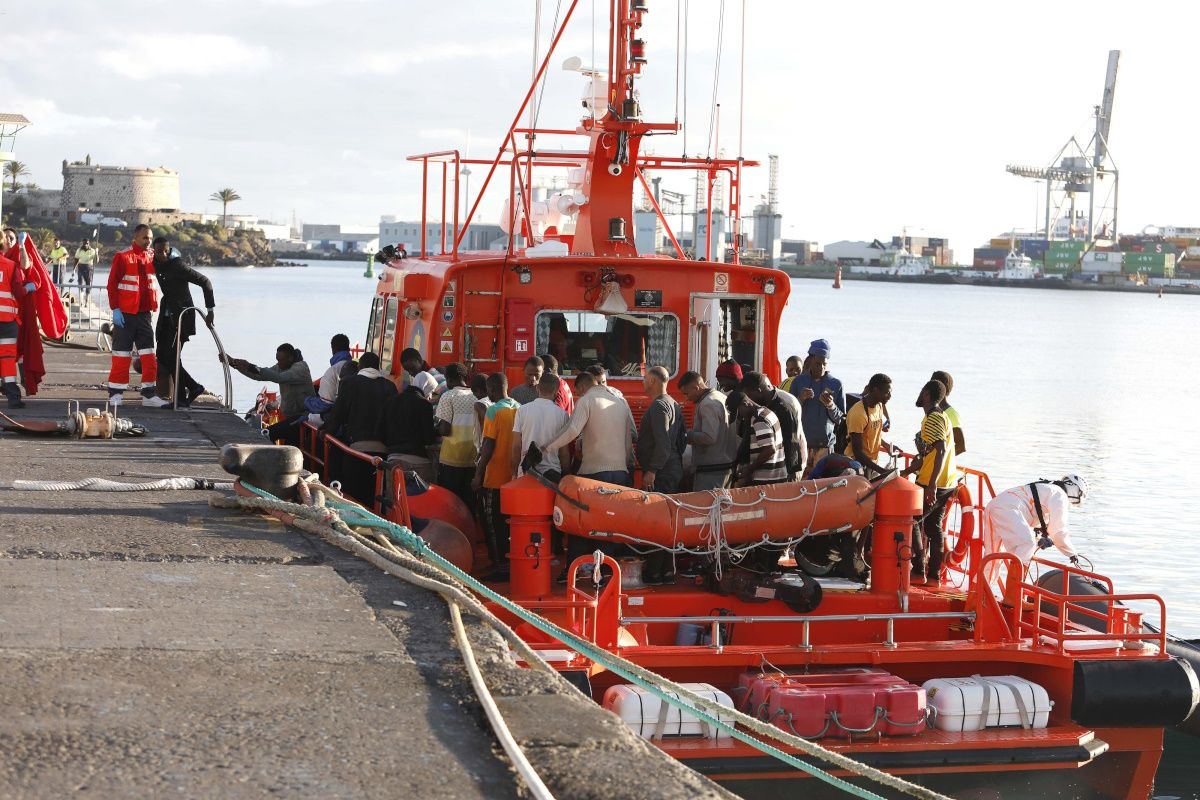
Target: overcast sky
884, 115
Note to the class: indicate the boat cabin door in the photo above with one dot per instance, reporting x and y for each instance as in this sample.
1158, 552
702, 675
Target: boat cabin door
725, 327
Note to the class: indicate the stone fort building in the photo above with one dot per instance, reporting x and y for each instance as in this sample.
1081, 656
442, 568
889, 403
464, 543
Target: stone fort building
118, 191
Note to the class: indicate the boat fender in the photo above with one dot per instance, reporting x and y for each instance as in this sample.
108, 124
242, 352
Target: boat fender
1076, 585
1138, 692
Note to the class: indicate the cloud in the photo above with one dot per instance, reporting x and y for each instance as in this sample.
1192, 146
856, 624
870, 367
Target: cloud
391, 63
144, 57
50, 120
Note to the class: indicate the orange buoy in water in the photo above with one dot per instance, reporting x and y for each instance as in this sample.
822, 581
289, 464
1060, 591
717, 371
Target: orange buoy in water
837, 278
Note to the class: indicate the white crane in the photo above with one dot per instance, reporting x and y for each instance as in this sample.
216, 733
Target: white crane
1072, 170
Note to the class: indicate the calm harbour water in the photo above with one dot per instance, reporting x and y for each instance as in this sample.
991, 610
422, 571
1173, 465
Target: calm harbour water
1047, 382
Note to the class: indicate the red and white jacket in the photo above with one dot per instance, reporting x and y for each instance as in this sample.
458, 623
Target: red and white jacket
131, 281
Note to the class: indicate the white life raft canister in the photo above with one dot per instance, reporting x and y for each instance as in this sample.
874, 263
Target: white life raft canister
978, 702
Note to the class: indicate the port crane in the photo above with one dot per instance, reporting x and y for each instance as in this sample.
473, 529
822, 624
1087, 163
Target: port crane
1077, 169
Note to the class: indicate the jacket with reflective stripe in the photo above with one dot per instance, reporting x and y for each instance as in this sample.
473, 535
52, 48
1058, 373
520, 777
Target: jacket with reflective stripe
11, 289
130, 282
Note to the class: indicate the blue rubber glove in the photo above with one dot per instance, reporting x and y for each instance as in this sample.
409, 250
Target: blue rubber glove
21, 237
30, 287
118, 318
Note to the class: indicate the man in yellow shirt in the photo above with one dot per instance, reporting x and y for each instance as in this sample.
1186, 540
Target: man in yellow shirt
938, 475
58, 261
792, 367
85, 260
864, 425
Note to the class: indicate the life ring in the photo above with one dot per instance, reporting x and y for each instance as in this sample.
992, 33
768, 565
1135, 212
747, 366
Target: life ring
966, 530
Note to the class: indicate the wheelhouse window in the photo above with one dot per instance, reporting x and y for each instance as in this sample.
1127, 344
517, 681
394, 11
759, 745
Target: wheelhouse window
375, 327
389, 334
626, 344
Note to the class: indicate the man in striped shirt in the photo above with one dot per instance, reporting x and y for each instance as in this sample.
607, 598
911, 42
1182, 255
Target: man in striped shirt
938, 476
765, 461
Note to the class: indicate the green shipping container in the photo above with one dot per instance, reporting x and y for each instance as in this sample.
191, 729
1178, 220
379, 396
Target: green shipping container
1060, 248
1158, 265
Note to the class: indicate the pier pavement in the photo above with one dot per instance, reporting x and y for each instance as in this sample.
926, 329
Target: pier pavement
153, 646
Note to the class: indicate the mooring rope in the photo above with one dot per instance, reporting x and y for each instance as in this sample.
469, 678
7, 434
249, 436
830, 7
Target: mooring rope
716, 715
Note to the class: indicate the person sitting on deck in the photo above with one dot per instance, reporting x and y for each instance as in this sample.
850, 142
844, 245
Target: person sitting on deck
360, 400
406, 423
322, 402
295, 385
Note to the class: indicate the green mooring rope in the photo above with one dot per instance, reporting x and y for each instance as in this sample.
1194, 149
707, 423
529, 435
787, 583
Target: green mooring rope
355, 515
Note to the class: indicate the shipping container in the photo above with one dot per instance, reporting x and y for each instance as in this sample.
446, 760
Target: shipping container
1072, 246
989, 263
1004, 244
991, 252
1034, 248
1103, 255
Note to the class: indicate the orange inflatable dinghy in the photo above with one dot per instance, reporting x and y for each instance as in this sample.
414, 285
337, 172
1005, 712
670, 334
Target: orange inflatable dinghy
780, 511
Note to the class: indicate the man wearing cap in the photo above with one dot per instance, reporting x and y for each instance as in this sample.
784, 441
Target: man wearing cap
729, 376
822, 402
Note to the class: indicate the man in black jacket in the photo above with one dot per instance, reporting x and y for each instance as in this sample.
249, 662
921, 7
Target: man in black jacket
173, 279
359, 405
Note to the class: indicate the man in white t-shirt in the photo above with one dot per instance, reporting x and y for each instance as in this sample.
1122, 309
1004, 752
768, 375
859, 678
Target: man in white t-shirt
537, 423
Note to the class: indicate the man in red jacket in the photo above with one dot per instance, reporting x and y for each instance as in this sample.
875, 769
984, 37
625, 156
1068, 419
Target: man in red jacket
132, 298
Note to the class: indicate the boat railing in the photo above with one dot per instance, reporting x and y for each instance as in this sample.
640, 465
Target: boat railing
1060, 620
889, 620
313, 450
361, 474
963, 524
596, 615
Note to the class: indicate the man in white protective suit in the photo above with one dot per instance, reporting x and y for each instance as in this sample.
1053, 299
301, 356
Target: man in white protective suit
1032, 517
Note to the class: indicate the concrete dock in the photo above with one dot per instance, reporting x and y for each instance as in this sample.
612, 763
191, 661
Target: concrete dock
152, 645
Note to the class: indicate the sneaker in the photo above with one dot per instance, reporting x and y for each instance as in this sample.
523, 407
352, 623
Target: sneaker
154, 401
115, 400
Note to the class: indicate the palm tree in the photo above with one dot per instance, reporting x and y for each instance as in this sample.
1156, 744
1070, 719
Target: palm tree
224, 197
14, 170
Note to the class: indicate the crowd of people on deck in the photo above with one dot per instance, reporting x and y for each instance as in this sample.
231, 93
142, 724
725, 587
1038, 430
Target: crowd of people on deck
745, 431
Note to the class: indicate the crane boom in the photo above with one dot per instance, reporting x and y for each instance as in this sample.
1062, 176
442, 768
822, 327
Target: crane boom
1105, 109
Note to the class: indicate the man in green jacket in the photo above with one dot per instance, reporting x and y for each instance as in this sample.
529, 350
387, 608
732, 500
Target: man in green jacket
295, 386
